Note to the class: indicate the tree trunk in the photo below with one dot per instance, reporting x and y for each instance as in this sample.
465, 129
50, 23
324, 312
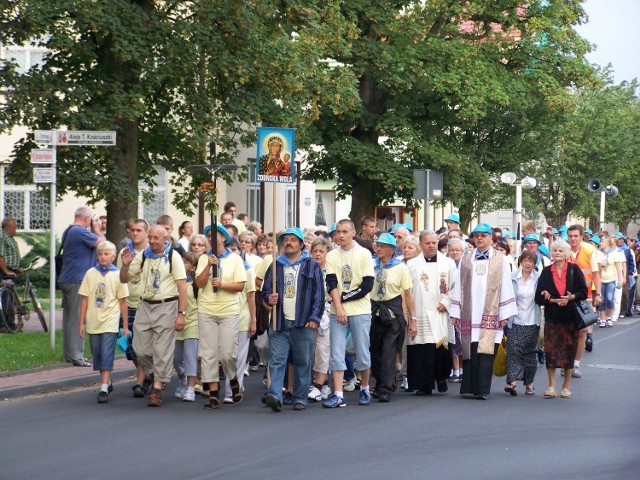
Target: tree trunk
121, 206
363, 200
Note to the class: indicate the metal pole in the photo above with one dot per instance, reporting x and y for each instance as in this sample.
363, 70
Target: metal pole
518, 218
52, 248
426, 204
603, 195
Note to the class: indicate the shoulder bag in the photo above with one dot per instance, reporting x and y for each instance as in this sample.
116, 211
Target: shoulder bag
586, 315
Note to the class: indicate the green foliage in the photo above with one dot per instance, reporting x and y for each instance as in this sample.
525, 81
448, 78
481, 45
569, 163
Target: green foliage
461, 87
169, 77
39, 250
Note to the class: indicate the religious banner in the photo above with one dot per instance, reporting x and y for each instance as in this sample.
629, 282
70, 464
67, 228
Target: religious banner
276, 148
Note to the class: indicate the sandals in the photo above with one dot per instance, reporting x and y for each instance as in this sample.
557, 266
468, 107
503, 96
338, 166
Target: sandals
213, 402
511, 389
550, 393
566, 393
236, 393
529, 390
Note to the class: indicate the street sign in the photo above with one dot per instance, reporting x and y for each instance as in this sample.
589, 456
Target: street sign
44, 137
43, 156
44, 175
72, 138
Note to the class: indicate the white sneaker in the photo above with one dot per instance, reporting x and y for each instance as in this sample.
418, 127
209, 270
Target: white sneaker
180, 390
405, 384
189, 395
350, 386
314, 394
227, 400
325, 392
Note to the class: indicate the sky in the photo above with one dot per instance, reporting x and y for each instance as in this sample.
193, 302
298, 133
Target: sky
613, 28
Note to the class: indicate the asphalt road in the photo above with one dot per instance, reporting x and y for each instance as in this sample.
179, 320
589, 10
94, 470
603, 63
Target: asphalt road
594, 435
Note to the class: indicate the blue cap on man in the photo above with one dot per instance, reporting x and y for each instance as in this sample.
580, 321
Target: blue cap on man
387, 239
482, 228
454, 217
531, 237
291, 231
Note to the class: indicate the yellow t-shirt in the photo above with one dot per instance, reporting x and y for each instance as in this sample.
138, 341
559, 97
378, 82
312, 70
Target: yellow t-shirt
262, 267
350, 268
191, 329
245, 315
391, 282
157, 280
103, 294
223, 303
608, 273
134, 285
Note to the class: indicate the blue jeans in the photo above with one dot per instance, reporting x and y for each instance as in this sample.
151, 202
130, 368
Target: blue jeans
608, 291
360, 326
298, 340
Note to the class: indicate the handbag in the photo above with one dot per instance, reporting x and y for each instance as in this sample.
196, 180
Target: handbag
500, 360
586, 315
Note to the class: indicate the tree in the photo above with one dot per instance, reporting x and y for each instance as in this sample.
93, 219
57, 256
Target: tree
597, 139
169, 77
455, 86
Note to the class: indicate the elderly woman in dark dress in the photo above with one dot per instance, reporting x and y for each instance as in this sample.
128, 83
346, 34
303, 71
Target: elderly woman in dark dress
560, 284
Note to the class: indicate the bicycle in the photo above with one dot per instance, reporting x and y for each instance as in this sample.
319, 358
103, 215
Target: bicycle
14, 310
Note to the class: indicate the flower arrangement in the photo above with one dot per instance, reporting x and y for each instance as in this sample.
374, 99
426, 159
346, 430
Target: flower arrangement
209, 193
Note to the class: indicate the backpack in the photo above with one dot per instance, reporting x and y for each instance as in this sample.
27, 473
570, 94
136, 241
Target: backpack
170, 260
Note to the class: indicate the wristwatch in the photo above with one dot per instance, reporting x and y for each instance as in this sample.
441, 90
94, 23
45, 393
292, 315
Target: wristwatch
182, 313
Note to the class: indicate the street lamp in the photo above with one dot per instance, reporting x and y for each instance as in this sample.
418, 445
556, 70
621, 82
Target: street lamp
509, 178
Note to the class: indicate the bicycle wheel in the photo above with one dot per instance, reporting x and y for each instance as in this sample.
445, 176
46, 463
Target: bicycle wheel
37, 307
8, 316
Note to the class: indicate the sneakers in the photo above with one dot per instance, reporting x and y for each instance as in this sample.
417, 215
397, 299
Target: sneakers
138, 391
365, 397
454, 378
227, 400
189, 395
405, 384
350, 385
610, 323
325, 391
602, 324
180, 390
103, 397
155, 399
315, 395
287, 398
576, 373
588, 344
334, 401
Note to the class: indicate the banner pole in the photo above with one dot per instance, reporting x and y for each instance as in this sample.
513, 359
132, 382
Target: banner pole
274, 318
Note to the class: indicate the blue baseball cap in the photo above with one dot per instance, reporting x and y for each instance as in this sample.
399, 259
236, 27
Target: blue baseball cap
588, 231
506, 233
332, 228
387, 239
532, 237
223, 230
563, 228
482, 228
544, 250
554, 230
619, 235
595, 239
396, 226
291, 231
454, 217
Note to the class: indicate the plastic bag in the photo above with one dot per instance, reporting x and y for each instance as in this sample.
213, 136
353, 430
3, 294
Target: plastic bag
500, 361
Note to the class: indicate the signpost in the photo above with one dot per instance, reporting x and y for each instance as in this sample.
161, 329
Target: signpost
48, 175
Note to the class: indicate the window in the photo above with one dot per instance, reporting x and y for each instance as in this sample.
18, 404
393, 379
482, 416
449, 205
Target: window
253, 191
325, 207
28, 205
25, 56
153, 202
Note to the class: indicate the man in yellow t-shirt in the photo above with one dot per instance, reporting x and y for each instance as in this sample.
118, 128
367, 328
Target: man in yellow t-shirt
349, 280
390, 298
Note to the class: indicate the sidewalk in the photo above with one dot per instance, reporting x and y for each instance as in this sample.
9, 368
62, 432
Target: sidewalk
56, 377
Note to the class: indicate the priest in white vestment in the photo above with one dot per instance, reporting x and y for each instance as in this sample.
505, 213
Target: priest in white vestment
482, 301
430, 330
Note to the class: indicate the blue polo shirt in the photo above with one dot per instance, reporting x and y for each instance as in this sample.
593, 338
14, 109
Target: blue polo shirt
78, 254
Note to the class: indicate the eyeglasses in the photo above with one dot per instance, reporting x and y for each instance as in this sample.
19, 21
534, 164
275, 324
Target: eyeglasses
198, 245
